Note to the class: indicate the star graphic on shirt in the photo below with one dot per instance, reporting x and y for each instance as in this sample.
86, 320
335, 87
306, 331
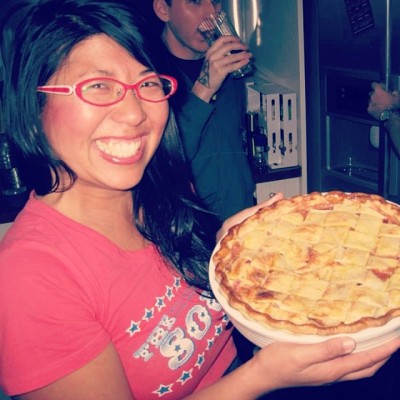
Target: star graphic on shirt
135, 327
186, 375
148, 314
218, 329
169, 293
177, 348
177, 282
193, 328
200, 360
214, 303
210, 343
160, 303
163, 389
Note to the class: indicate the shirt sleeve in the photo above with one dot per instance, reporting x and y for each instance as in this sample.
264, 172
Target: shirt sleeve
48, 324
192, 118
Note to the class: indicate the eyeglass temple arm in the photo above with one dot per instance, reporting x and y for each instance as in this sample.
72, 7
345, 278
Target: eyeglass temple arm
56, 89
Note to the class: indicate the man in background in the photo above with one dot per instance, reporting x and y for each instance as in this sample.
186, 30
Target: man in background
209, 105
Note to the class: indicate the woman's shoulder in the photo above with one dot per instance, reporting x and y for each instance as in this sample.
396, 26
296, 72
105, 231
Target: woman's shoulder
36, 222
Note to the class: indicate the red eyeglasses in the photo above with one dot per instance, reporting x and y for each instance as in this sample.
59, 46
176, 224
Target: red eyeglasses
108, 91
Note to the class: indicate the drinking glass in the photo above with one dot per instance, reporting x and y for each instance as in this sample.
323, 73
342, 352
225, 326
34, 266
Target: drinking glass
219, 24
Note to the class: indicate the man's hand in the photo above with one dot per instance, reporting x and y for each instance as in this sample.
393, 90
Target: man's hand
226, 55
380, 99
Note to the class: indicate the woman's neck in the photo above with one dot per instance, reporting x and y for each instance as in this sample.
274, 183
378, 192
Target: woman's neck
109, 213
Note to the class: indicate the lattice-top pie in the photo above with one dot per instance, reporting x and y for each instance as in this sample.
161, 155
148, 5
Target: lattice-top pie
315, 264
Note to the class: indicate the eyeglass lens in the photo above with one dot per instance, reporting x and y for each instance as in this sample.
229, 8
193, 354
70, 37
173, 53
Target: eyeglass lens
99, 91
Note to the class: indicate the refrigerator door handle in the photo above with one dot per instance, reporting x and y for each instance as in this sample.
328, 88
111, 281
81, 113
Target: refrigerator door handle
388, 44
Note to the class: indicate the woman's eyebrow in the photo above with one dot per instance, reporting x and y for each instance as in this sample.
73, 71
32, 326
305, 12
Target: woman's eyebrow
146, 71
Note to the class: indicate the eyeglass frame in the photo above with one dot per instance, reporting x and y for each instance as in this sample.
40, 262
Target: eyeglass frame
77, 89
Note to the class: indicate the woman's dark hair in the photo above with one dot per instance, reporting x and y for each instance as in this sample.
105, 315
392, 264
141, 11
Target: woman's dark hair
165, 208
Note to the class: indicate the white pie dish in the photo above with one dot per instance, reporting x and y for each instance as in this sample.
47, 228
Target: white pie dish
261, 335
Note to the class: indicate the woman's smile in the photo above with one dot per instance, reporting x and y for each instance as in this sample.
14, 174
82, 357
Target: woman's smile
123, 151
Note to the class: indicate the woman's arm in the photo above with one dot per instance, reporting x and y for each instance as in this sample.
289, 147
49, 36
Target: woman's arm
101, 379
276, 366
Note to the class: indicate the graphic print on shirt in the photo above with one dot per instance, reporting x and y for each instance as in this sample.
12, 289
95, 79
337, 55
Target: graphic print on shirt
186, 330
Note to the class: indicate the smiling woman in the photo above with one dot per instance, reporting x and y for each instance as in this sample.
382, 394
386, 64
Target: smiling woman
104, 287
103, 152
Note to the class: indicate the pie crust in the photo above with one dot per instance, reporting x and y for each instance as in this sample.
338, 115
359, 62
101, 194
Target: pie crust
320, 264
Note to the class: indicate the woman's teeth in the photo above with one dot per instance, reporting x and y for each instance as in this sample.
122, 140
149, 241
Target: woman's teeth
119, 148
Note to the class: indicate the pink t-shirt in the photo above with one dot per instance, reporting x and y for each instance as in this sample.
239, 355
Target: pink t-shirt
66, 291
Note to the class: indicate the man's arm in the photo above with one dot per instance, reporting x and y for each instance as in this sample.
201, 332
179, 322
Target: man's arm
380, 101
192, 117
392, 125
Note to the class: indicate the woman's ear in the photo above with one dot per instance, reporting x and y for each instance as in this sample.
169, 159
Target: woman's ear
161, 9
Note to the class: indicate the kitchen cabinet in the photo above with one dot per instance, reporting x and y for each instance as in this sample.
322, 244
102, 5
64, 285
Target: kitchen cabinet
284, 180
289, 187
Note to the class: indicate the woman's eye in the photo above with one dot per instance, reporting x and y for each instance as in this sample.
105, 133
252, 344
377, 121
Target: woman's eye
98, 86
153, 84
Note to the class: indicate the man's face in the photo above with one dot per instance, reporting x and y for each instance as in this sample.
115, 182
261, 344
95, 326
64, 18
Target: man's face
182, 18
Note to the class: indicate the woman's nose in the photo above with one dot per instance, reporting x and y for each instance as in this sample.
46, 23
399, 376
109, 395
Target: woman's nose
130, 109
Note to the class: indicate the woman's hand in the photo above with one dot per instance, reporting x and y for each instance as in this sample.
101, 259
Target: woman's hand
241, 215
284, 365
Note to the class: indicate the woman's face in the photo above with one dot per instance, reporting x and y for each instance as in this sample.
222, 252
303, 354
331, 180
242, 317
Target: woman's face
107, 147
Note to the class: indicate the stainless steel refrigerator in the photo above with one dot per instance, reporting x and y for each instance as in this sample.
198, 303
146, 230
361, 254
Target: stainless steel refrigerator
349, 44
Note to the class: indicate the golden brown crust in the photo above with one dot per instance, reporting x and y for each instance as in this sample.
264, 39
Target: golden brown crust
315, 264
